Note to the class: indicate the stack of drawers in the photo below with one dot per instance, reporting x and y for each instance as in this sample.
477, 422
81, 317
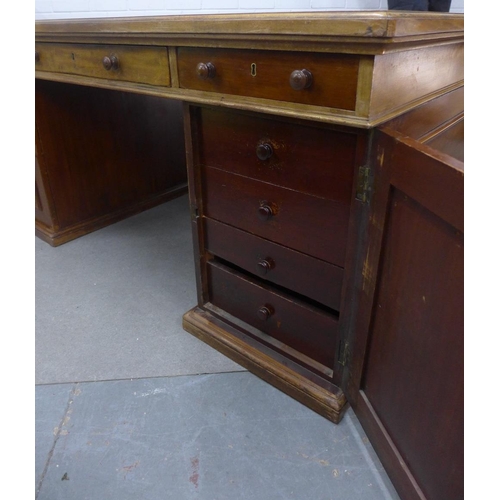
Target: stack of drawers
274, 206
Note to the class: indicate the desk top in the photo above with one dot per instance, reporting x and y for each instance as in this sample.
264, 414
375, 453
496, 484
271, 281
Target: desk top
367, 67
382, 26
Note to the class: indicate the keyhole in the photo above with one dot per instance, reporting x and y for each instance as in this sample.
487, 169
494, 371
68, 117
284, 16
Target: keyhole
253, 69
72, 56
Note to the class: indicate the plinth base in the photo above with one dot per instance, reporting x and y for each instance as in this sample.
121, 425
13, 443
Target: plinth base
321, 396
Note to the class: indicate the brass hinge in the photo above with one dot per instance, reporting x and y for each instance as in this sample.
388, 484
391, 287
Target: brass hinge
194, 212
343, 352
363, 184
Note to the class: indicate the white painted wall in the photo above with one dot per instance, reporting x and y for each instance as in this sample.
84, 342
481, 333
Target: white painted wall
64, 9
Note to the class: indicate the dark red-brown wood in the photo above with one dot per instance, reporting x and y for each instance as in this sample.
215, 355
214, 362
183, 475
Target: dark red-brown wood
43, 209
309, 166
312, 225
334, 76
450, 140
305, 157
405, 370
310, 277
299, 325
104, 155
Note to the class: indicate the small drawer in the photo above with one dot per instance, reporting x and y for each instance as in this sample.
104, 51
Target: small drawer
310, 159
302, 327
318, 79
312, 225
300, 273
129, 63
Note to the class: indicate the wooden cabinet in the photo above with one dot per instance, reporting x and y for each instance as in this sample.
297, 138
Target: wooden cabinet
352, 276
271, 201
324, 160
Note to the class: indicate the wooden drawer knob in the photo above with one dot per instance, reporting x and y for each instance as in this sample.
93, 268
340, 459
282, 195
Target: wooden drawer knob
37, 56
265, 312
264, 266
301, 79
264, 151
205, 71
265, 211
110, 62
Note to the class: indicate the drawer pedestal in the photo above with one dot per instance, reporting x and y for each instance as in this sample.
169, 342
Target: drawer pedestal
271, 207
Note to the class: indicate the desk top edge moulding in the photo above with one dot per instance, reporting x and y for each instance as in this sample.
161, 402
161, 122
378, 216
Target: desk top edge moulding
366, 24
365, 35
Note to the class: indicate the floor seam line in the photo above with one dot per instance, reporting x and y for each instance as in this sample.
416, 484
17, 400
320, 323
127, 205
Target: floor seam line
140, 378
56, 439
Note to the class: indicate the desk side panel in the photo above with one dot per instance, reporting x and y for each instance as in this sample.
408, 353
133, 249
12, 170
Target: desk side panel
403, 80
107, 154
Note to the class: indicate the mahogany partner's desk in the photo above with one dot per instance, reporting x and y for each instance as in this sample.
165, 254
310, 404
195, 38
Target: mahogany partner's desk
326, 192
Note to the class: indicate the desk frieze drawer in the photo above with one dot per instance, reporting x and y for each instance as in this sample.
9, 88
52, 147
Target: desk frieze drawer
310, 159
310, 277
312, 225
129, 63
319, 79
300, 326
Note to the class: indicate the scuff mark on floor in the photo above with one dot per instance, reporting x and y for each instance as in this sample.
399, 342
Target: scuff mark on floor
129, 468
324, 463
195, 465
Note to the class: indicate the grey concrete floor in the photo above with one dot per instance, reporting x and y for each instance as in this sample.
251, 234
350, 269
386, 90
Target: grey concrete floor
129, 406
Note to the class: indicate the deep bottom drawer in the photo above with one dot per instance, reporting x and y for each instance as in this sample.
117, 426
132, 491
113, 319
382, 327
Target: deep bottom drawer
303, 327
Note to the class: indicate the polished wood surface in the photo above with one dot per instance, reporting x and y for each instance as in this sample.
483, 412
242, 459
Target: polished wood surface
43, 209
230, 140
272, 212
103, 156
423, 121
275, 199
403, 79
290, 377
352, 57
284, 318
424, 271
323, 182
449, 139
333, 81
405, 370
114, 62
312, 225
313, 278
384, 27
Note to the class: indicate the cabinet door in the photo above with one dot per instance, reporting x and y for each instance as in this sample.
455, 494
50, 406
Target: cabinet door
404, 374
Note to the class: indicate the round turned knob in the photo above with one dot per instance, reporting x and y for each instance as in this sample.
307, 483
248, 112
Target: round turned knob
264, 266
265, 212
37, 56
110, 62
265, 312
264, 151
301, 79
205, 70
